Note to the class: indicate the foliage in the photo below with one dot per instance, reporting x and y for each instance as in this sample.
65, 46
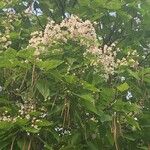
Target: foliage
59, 99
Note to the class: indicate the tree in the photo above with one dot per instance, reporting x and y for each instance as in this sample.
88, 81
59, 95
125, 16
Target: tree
72, 83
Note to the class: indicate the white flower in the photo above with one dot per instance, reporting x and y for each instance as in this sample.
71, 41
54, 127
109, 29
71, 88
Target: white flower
129, 95
43, 115
28, 133
27, 116
67, 15
122, 79
135, 119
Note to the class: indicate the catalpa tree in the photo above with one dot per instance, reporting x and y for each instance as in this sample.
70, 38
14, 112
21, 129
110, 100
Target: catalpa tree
74, 74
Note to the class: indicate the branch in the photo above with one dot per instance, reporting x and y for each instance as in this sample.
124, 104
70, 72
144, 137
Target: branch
40, 24
38, 20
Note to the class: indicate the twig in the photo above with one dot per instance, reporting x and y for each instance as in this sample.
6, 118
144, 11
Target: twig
12, 145
112, 102
29, 146
33, 75
23, 80
115, 132
54, 102
38, 19
24, 144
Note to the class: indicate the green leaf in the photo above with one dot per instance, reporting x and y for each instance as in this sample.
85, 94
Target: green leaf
10, 53
23, 143
123, 87
143, 147
43, 123
71, 79
2, 4
87, 97
92, 146
113, 4
31, 130
26, 54
87, 101
134, 74
132, 122
14, 35
110, 137
21, 122
105, 117
46, 145
71, 60
129, 137
8, 63
5, 125
49, 64
8, 59
43, 88
147, 80
126, 107
89, 86
75, 138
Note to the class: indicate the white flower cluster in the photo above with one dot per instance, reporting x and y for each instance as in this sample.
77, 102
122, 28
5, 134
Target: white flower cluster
129, 95
26, 109
5, 41
24, 112
82, 31
71, 28
106, 57
36, 42
6, 117
62, 131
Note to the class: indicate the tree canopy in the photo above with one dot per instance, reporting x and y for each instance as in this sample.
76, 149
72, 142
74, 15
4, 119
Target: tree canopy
74, 74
